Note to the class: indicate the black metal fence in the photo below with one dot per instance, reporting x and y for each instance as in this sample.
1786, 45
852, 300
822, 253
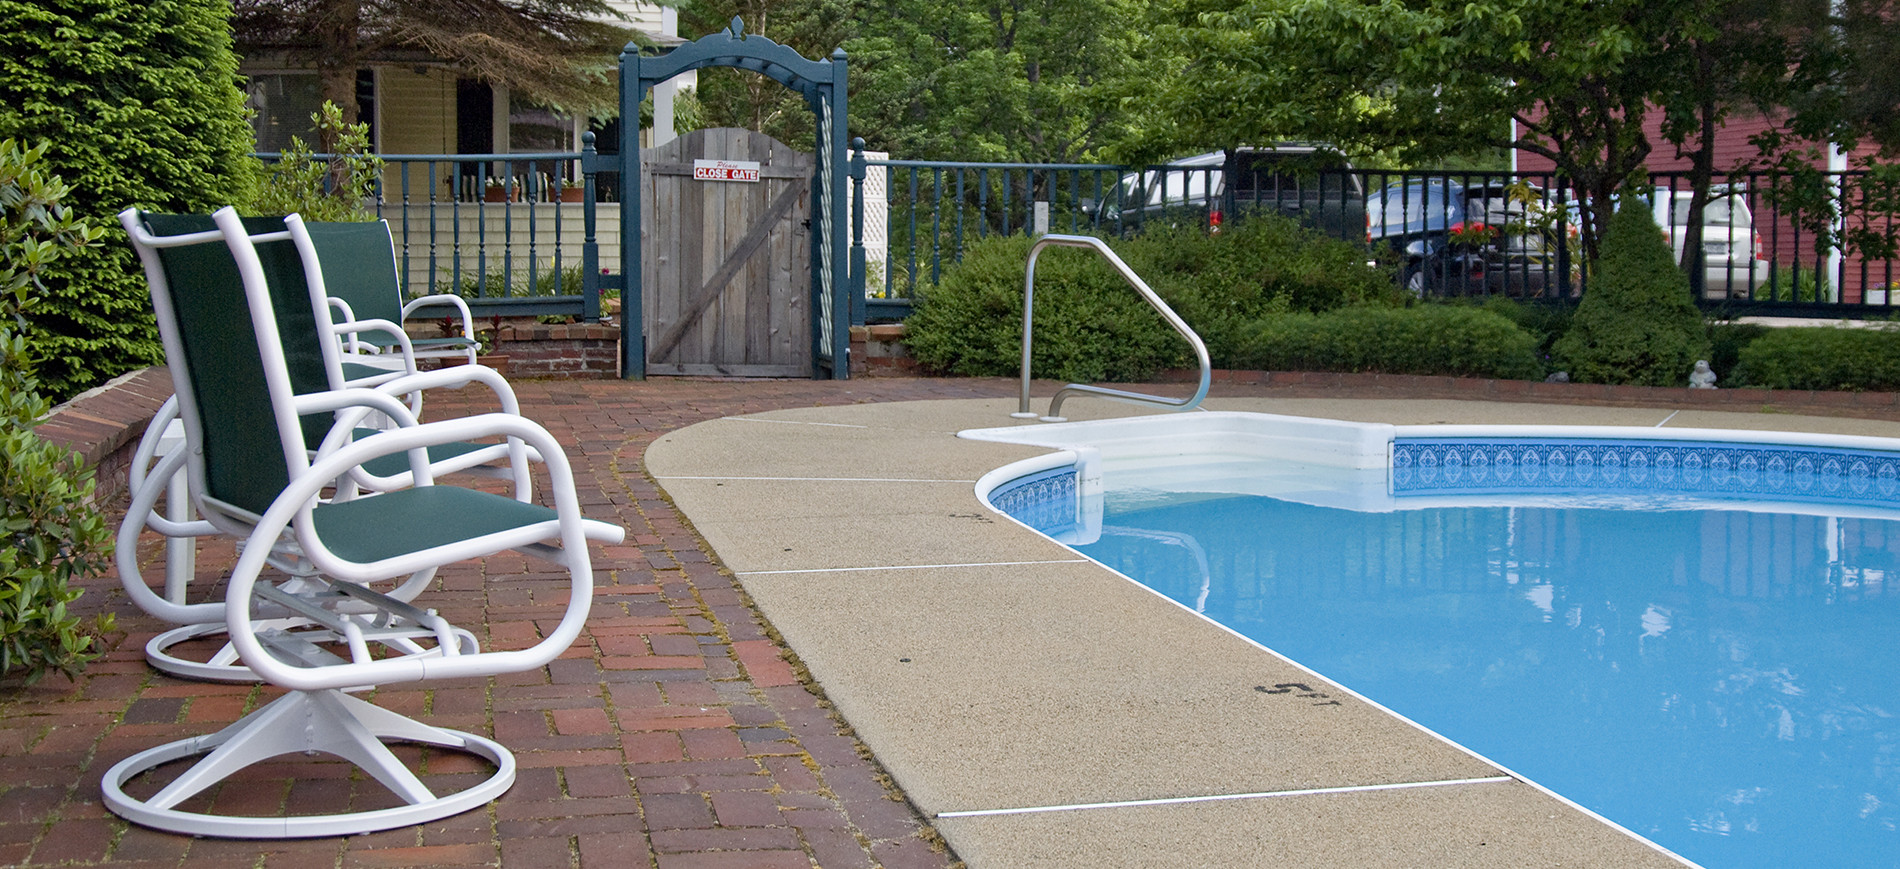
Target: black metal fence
1765, 250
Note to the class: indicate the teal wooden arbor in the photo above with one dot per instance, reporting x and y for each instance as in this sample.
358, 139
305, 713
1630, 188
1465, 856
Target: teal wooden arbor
822, 82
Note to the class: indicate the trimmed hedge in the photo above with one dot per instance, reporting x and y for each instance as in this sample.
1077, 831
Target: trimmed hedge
1429, 339
1091, 326
1822, 358
141, 103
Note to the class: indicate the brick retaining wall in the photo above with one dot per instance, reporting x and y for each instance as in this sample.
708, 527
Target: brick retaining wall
588, 350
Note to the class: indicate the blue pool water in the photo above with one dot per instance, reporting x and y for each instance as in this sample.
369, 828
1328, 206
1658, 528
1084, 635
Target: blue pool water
1720, 681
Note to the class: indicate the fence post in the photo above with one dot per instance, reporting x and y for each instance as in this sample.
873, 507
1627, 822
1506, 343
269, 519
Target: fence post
590, 247
856, 285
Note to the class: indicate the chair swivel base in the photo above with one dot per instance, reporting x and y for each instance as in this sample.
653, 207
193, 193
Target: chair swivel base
327, 721
222, 664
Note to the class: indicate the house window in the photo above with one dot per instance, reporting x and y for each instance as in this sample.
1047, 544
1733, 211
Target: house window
281, 106
538, 129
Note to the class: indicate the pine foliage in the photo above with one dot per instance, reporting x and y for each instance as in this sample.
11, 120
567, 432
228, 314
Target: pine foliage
1637, 323
139, 100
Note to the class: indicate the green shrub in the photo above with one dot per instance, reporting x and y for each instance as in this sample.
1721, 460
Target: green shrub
547, 282
1636, 323
49, 531
141, 100
1427, 339
1726, 341
1822, 358
1546, 322
1787, 285
333, 190
1090, 325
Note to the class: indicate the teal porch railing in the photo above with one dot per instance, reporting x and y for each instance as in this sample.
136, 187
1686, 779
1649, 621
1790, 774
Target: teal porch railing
513, 234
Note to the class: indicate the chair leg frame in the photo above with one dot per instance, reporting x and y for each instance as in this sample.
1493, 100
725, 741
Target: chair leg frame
327, 721
224, 665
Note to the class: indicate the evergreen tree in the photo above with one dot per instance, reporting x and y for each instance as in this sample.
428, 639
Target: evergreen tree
1636, 323
139, 99
558, 52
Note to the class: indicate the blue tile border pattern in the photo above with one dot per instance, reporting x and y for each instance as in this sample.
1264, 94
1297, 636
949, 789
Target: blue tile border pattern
1436, 466
1044, 500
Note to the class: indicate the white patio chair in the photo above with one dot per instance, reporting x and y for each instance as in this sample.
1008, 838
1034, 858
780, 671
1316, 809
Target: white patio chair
252, 473
362, 285
314, 364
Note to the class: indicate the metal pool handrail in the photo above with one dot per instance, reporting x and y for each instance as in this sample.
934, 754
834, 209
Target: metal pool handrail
1148, 293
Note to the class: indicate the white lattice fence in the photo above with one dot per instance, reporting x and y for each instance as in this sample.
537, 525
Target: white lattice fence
877, 223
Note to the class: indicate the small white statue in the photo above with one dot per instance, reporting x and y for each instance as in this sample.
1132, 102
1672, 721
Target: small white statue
1702, 377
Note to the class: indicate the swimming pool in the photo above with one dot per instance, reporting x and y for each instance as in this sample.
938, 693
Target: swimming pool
1719, 688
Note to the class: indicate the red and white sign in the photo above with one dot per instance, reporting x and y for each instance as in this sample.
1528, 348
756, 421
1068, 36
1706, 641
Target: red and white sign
725, 170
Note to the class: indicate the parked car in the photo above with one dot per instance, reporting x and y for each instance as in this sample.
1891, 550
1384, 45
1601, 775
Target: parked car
1734, 262
1469, 237
1311, 183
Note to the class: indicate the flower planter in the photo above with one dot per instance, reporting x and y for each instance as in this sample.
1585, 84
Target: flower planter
573, 194
496, 194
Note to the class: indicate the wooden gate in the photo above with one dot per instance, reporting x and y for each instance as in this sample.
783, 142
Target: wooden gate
726, 265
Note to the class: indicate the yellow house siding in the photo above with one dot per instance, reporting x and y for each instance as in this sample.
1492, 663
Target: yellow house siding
640, 16
415, 115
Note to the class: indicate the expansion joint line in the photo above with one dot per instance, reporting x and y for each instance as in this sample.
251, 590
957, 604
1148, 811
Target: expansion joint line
910, 567
1306, 792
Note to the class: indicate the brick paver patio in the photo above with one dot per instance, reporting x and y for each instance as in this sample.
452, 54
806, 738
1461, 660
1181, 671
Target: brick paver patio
673, 735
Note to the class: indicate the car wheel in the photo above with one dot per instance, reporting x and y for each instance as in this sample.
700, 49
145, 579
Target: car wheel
1413, 280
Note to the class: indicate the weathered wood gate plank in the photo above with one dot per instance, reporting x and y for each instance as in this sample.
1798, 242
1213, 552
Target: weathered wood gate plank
727, 264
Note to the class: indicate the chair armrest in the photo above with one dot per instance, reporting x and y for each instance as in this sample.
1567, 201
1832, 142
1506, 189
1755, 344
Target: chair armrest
351, 405
353, 327
456, 377
342, 313
294, 508
450, 299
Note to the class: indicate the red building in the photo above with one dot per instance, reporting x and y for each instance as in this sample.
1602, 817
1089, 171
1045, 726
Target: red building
1790, 251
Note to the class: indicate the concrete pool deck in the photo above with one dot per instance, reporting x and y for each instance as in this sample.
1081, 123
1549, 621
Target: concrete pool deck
1044, 712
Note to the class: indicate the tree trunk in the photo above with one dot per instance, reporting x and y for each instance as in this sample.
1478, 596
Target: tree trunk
339, 54
1701, 171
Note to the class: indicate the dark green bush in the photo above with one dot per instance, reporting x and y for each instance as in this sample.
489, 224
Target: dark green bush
1427, 339
1090, 325
548, 281
1546, 322
141, 101
1822, 358
1636, 323
1726, 341
49, 531
1788, 285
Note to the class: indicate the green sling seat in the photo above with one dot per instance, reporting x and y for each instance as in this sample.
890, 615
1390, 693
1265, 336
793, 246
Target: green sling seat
254, 475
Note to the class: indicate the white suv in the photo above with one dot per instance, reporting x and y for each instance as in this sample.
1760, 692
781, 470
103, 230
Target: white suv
1733, 260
